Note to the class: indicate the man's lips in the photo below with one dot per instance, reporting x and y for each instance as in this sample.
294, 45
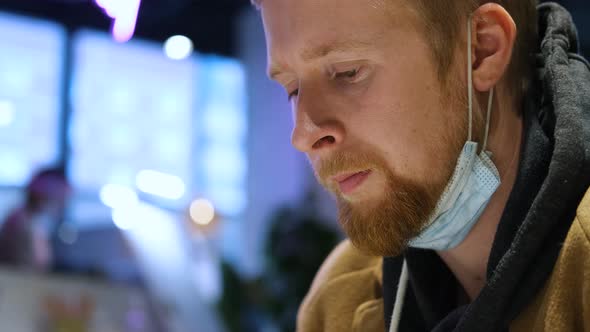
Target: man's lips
348, 182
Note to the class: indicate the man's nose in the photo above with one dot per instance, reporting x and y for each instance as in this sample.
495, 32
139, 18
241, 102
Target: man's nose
316, 129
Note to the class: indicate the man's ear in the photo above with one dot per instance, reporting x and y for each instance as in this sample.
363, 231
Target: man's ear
493, 37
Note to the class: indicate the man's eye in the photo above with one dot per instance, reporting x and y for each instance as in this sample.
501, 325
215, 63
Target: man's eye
352, 76
349, 74
293, 94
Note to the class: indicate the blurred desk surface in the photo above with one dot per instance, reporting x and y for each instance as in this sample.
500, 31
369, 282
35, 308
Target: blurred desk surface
31, 303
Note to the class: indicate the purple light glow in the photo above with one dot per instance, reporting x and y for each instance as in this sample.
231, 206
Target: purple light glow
124, 14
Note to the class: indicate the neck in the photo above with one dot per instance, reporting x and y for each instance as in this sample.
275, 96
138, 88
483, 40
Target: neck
469, 260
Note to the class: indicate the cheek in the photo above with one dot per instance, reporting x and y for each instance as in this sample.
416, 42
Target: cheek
403, 120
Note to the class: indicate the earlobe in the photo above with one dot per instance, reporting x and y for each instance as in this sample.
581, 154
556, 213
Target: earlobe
495, 33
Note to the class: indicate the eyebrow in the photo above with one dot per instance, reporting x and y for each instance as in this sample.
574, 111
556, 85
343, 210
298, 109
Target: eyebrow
323, 50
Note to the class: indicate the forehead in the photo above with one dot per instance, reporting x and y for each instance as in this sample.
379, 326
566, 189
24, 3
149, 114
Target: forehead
310, 27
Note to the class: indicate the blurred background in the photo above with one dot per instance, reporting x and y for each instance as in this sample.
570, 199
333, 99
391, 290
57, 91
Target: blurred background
147, 182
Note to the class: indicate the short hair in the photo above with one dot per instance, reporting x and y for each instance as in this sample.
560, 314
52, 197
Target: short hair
441, 21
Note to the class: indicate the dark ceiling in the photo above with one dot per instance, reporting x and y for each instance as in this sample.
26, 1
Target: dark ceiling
209, 23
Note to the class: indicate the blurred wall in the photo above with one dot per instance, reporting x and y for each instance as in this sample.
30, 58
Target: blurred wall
277, 173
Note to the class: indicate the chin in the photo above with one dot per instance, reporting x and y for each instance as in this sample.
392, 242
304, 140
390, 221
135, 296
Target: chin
370, 231
383, 222
379, 248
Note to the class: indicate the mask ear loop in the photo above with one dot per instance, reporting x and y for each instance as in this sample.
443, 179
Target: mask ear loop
469, 79
488, 116
470, 91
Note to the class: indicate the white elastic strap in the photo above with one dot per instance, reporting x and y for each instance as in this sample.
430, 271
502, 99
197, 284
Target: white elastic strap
470, 91
490, 100
469, 78
399, 299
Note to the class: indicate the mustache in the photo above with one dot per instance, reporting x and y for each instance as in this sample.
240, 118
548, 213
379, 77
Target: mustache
345, 161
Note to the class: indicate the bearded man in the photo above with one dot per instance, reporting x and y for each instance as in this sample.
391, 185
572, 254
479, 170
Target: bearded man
455, 136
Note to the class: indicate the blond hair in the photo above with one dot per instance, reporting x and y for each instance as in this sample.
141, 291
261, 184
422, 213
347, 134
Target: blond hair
442, 20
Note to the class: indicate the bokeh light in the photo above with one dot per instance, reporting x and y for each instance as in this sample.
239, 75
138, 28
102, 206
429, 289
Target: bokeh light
202, 212
67, 234
124, 14
125, 219
160, 184
178, 47
118, 196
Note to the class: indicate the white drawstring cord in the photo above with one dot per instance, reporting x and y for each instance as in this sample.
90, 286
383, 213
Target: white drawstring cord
399, 299
489, 114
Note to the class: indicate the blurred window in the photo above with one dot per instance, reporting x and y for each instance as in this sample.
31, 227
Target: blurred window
166, 131
31, 76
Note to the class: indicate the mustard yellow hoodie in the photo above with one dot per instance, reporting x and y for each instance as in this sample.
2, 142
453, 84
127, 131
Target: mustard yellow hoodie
346, 294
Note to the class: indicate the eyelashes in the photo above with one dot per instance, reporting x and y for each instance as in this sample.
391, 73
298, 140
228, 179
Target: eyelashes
349, 75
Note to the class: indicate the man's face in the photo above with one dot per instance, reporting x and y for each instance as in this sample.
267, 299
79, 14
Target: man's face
379, 130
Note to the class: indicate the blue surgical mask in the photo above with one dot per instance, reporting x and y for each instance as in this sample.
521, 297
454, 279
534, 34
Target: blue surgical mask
467, 194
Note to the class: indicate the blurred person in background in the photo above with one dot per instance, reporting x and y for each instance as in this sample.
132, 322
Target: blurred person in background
455, 136
25, 236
